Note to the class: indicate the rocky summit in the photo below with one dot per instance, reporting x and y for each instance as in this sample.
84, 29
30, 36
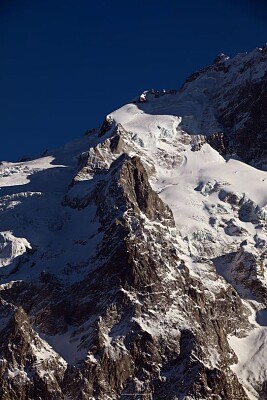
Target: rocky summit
133, 261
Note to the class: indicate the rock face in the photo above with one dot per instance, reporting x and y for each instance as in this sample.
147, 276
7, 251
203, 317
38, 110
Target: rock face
29, 367
238, 97
141, 263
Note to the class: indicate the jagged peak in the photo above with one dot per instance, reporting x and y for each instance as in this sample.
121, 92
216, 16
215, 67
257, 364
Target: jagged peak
221, 57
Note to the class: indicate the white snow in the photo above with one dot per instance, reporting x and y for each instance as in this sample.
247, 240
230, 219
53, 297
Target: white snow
31, 204
251, 351
66, 345
17, 174
11, 247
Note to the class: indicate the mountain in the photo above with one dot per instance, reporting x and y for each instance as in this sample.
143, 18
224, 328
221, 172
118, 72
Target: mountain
133, 261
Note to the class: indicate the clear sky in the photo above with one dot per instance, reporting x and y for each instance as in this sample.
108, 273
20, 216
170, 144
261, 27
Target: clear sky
65, 64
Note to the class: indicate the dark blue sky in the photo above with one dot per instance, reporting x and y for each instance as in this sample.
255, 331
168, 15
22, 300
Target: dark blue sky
65, 64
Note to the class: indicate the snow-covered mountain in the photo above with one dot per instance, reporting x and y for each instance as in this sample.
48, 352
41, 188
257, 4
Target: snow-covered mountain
133, 261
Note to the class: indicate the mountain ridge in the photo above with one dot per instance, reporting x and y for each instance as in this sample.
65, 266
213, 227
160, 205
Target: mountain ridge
133, 261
